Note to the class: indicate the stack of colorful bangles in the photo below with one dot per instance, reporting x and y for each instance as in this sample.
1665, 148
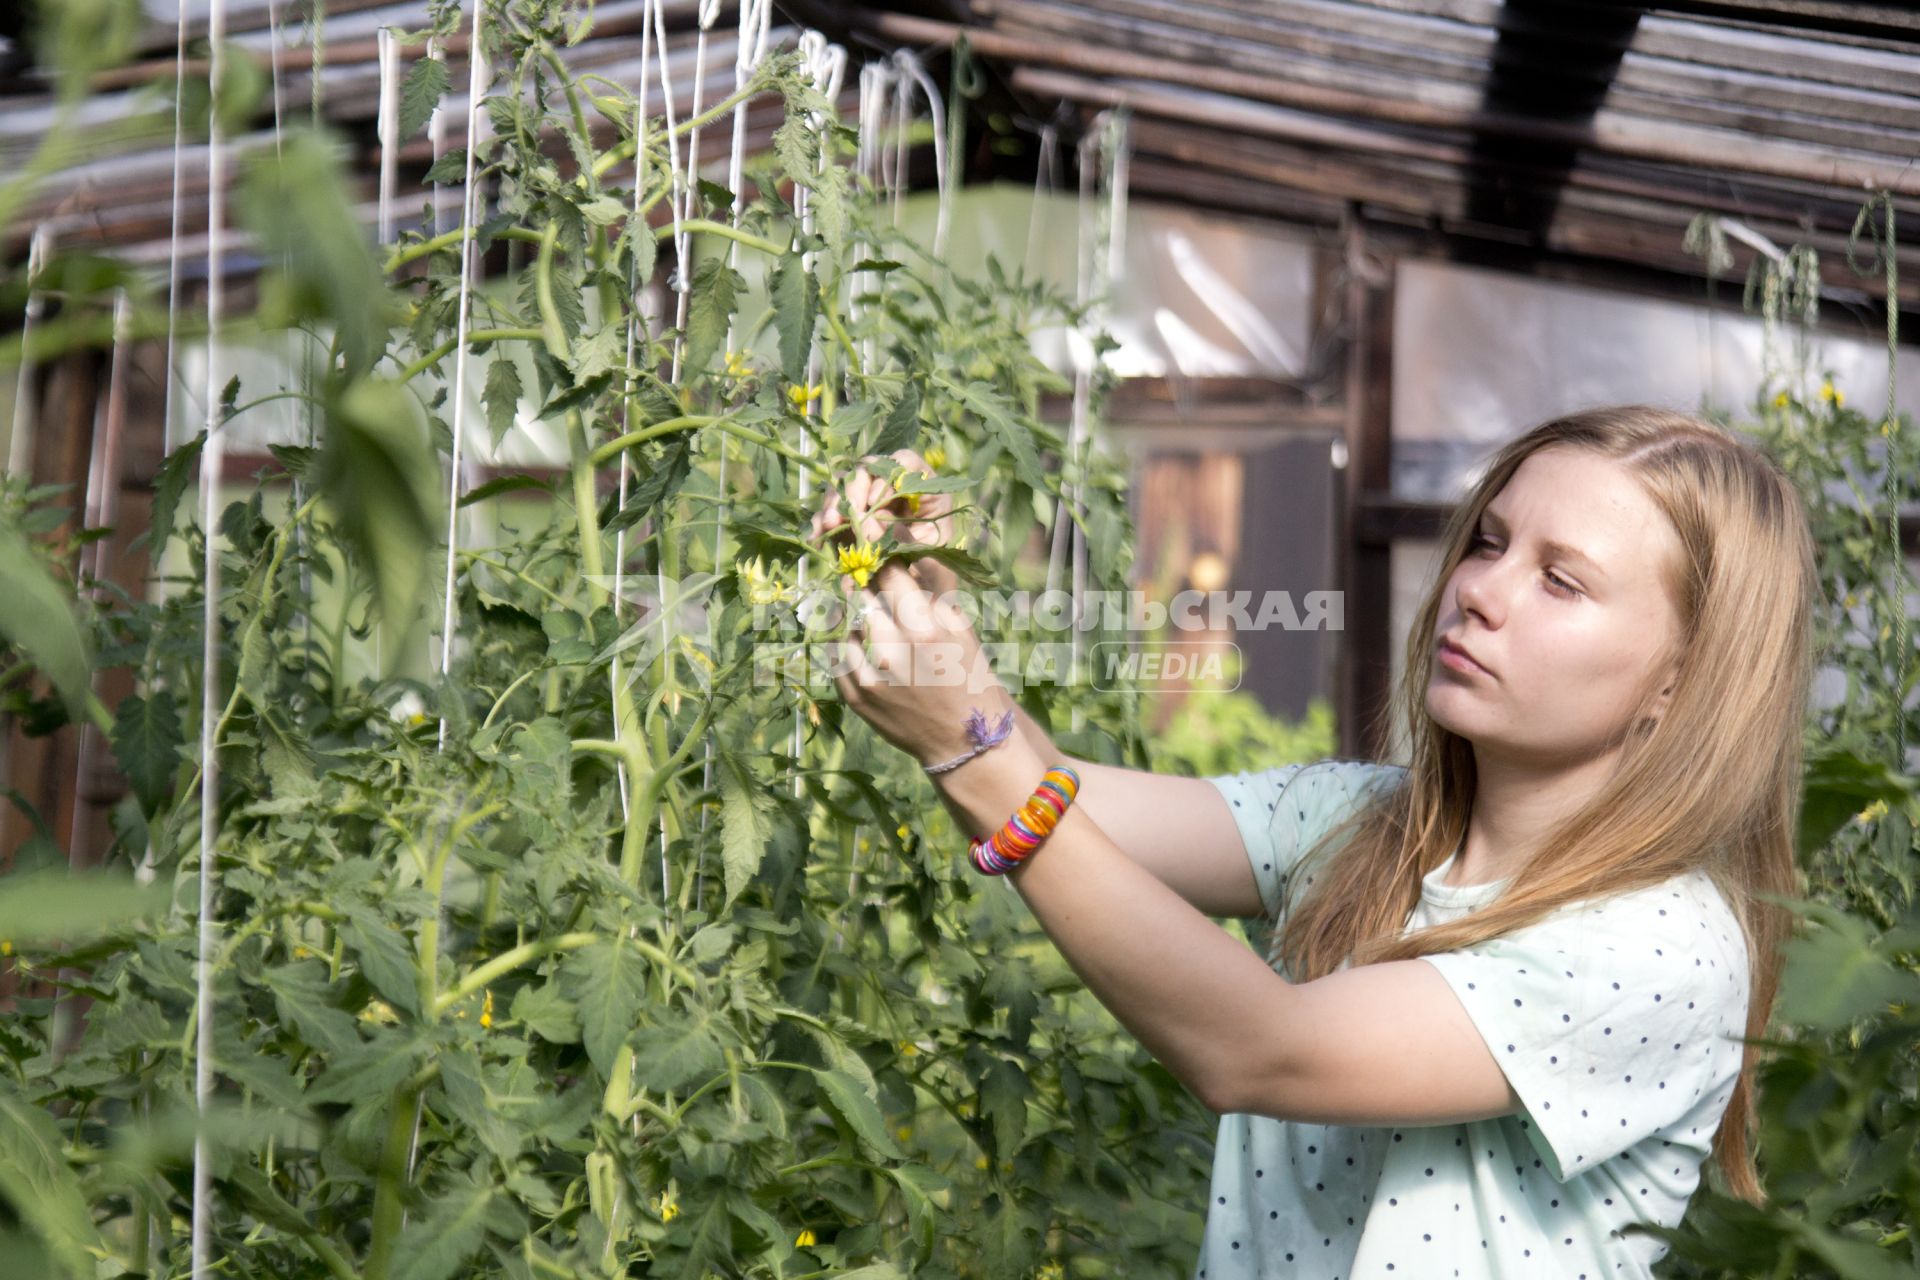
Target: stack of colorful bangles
1029, 826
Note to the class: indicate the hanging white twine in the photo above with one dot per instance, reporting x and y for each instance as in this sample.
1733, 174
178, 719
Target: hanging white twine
911, 69
749, 51
210, 460
477, 78
20, 447
387, 128
637, 227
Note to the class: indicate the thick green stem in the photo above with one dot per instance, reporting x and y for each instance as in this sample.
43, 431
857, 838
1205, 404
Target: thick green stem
389, 1179
401, 257
506, 962
623, 149
550, 327
706, 227
630, 749
440, 352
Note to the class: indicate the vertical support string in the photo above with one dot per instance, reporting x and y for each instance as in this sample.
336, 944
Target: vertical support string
210, 460
387, 127
681, 282
910, 69
637, 227
749, 50
824, 64
476, 85
20, 445
173, 246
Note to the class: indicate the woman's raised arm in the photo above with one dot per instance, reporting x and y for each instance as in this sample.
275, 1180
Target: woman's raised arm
1178, 828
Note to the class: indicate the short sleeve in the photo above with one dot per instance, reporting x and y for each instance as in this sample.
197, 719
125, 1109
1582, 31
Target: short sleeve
1612, 1020
1283, 811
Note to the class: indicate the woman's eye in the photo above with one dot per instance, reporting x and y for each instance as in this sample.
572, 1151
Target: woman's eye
1562, 588
1556, 584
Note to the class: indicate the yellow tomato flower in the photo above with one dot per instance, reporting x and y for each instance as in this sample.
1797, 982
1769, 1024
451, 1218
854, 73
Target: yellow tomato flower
980, 1162
300, 952
1874, 810
667, 1205
805, 1238
936, 456
859, 562
904, 831
903, 1133
1780, 401
379, 1011
486, 1010
1832, 394
737, 366
1050, 1271
760, 585
908, 1048
6, 946
802, 396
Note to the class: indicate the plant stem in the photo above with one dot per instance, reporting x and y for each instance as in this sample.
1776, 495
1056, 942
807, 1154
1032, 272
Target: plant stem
623, 149
550, 327
711, 228
387, 1183
506, 962
440, 352
401, 257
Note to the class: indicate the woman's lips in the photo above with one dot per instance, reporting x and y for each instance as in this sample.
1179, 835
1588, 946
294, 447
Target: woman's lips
1456, 658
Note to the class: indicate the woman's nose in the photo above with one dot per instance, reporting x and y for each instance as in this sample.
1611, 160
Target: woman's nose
1479, 593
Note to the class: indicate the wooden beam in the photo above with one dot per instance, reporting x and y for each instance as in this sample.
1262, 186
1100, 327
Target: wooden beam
1608, 131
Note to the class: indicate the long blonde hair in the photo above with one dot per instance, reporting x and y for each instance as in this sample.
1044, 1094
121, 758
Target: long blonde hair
1714, 785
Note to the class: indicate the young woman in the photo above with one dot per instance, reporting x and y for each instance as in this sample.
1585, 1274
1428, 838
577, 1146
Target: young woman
1500, 1029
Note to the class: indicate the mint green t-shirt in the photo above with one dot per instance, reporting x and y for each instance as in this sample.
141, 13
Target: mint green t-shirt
1617, 1020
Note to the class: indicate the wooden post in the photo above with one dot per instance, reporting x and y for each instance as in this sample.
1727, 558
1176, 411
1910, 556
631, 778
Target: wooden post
1365, 568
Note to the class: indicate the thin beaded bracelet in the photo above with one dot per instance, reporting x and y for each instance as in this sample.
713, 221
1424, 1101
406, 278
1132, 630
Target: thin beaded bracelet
1029, 826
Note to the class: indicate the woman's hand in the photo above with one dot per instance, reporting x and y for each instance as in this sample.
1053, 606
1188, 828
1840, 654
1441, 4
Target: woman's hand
915, 671
873, 507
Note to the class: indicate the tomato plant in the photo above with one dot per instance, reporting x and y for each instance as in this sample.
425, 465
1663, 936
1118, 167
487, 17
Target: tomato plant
618, 948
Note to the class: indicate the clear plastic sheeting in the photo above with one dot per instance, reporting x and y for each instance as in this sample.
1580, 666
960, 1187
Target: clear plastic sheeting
1480, 356
1200, 295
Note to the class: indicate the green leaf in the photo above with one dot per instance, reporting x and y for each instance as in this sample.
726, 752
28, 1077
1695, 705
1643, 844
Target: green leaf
385, 959
317, 257
440, 1243
381, 479
420, 93
36, 619
40, 1188
146, 741
860, 1112
504, 484
716, 288
502, 395
744, 829
451, 167
1003, 1100
303, 998
796, 303
677, 1050
1834, 975
608, 983
903, 425
660, 478
1836, 786
985, 402
918, 1185
57, 905
180, 469
369, 1069
603, 210
547, 1013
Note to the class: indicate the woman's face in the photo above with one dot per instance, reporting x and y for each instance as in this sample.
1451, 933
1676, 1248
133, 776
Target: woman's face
1569, 634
